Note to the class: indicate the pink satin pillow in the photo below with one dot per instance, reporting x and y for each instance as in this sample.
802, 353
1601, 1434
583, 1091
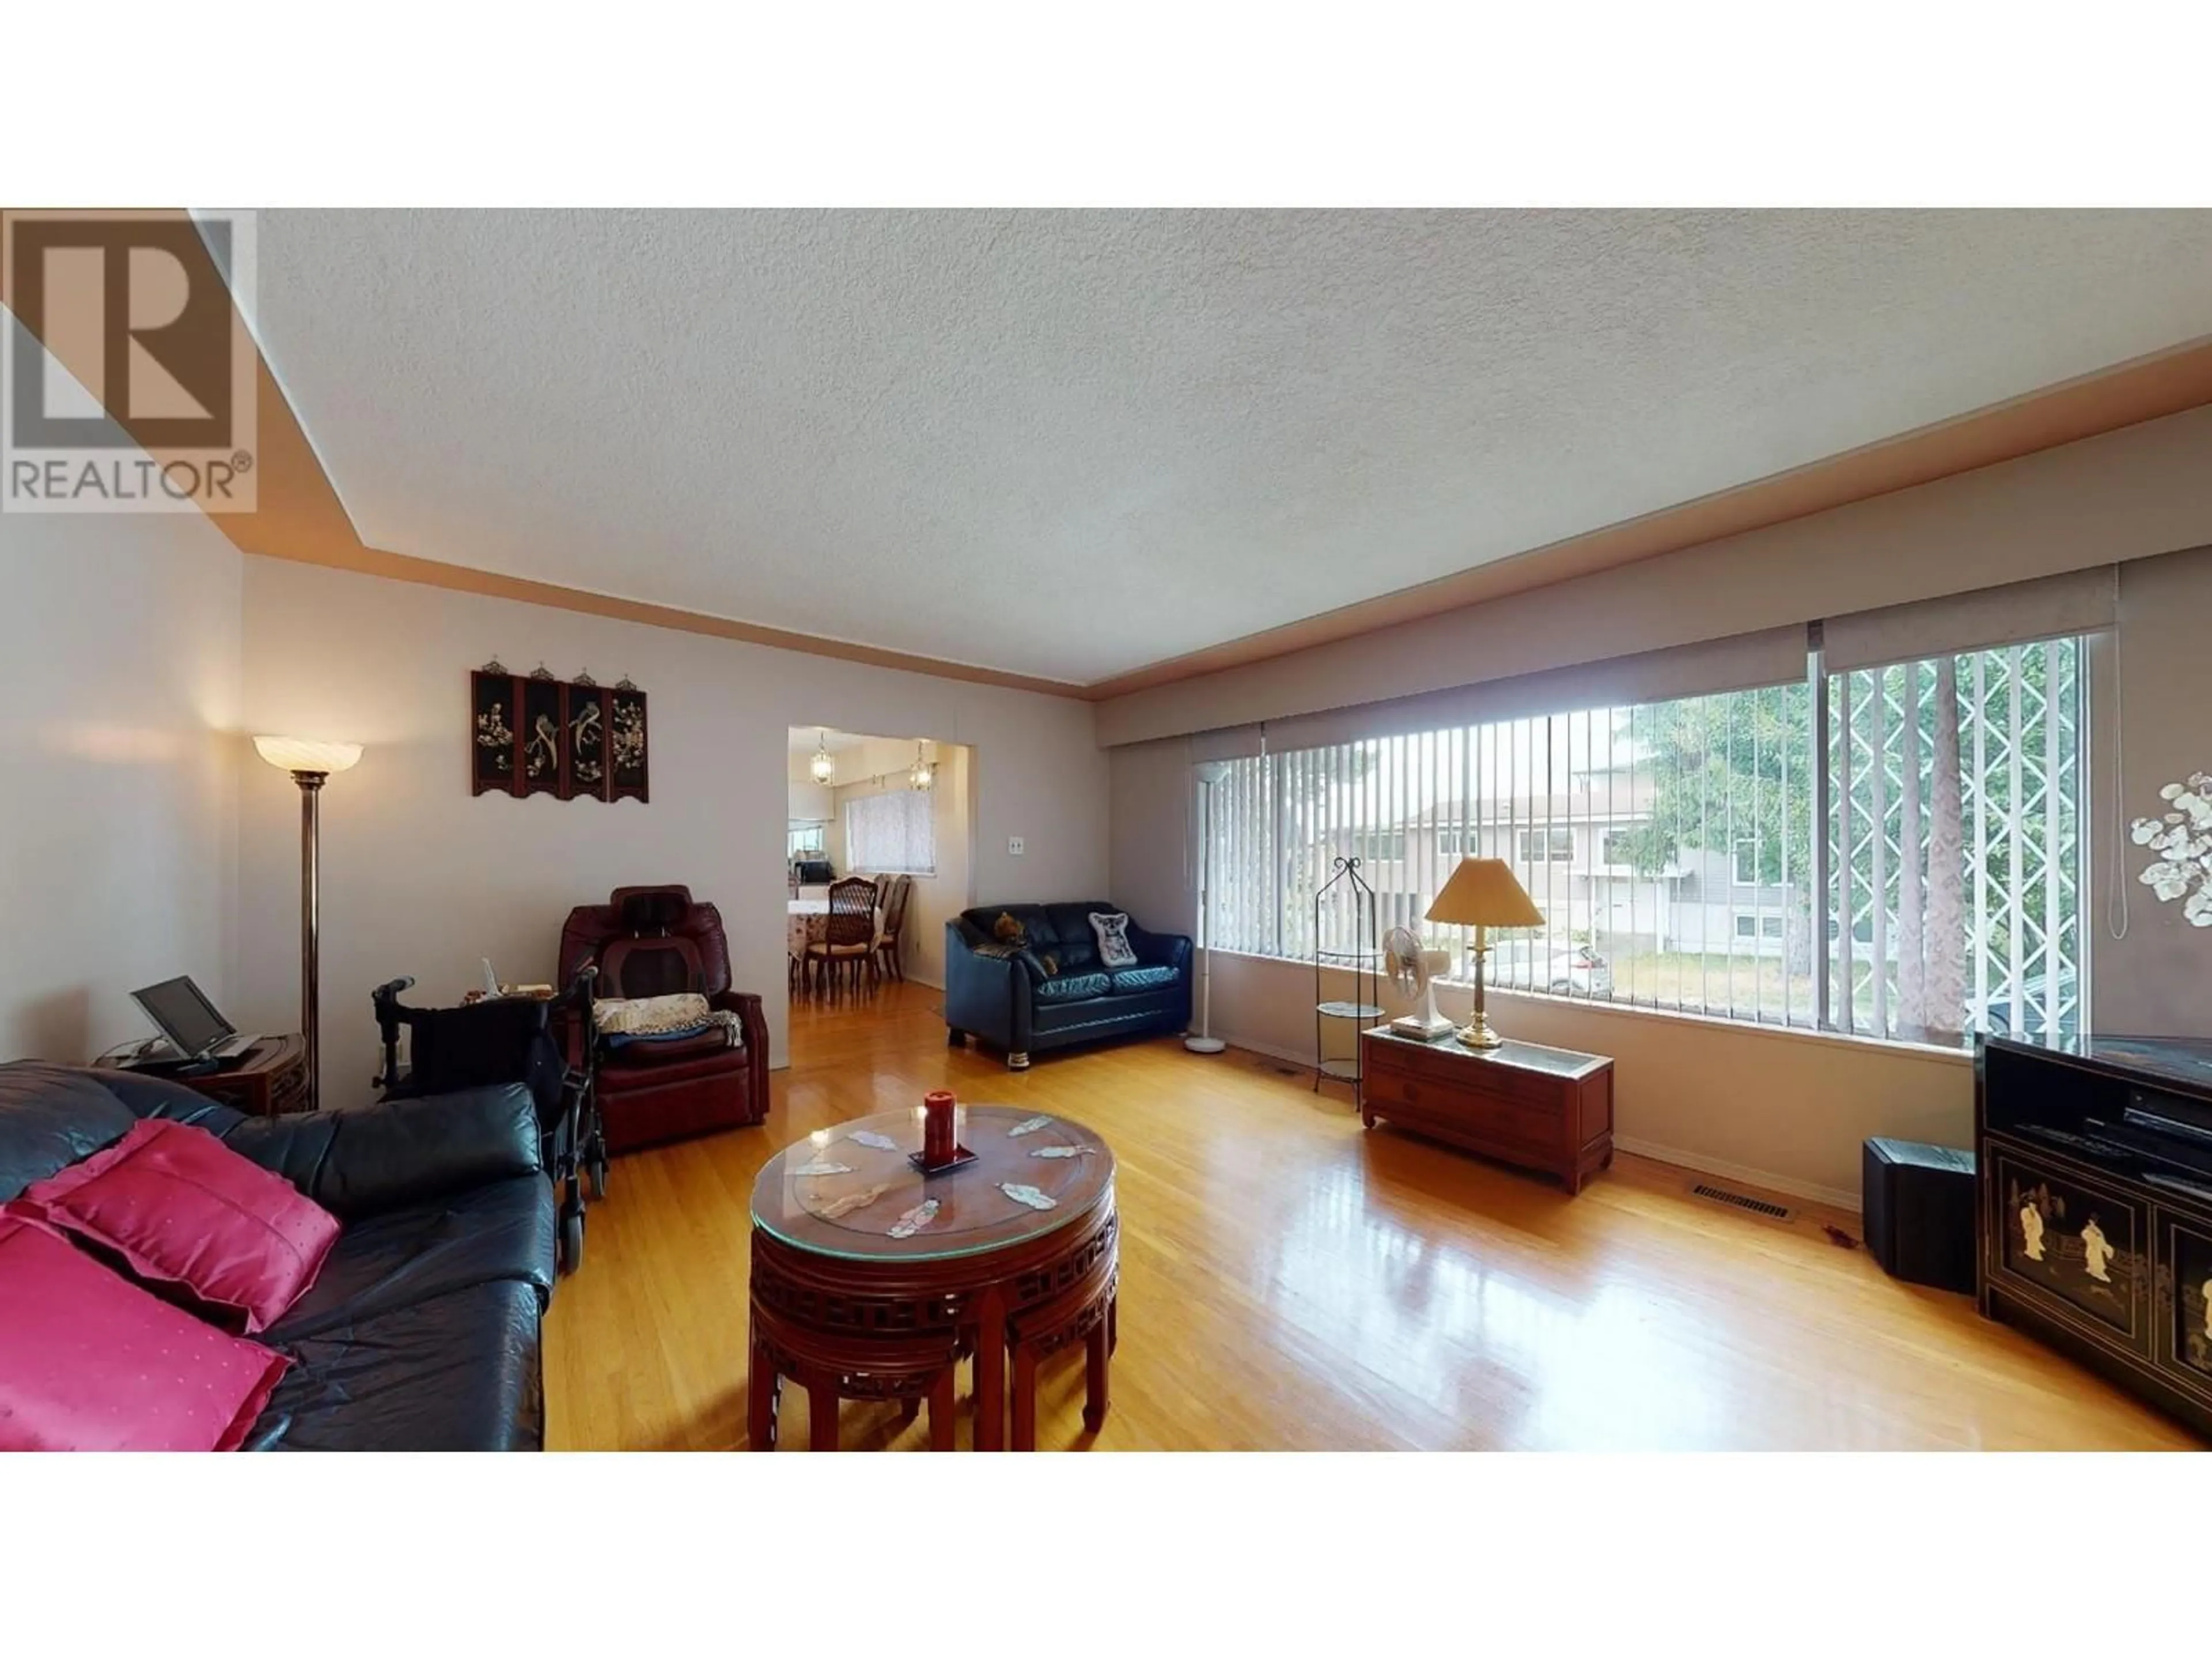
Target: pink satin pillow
180, 1207
88, 1362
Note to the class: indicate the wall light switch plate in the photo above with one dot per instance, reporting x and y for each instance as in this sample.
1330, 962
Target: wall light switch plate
1014, 845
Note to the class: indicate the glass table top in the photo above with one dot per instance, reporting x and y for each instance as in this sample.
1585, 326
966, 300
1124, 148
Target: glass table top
1531, 1056
849, 1191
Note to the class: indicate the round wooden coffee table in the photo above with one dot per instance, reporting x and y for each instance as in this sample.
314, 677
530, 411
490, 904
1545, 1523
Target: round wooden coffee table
870, 1279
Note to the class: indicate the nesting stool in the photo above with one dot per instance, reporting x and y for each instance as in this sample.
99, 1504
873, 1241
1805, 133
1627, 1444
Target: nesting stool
1086, 1312
833, 1369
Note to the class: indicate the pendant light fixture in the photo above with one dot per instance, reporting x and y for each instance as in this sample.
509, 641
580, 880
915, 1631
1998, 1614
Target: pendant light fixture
823, 768
924, 772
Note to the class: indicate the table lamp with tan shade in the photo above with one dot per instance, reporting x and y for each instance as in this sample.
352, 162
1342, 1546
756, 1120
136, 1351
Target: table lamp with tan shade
1483, 894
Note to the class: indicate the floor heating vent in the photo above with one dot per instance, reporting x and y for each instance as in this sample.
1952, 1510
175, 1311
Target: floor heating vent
1739, 1201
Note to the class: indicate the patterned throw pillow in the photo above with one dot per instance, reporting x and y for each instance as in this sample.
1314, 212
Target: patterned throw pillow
1114, 950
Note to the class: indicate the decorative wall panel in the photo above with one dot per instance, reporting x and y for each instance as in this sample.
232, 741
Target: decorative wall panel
574, 740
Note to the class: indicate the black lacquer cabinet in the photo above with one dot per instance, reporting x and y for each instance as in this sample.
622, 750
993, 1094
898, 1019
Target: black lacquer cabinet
2095, 1212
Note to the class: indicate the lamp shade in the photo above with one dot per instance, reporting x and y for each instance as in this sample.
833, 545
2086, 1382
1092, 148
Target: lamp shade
1485, 893
306, 754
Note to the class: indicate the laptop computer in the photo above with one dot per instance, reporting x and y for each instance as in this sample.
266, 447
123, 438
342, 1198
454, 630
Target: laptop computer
196, 1031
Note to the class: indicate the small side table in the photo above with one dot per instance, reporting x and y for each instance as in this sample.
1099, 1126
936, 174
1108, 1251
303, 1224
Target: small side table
270, 1080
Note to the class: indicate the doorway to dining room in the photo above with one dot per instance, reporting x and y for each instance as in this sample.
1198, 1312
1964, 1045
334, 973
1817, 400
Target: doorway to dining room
878, 859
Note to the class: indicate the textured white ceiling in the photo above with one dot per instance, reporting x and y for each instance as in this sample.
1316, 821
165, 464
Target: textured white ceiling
1070, 444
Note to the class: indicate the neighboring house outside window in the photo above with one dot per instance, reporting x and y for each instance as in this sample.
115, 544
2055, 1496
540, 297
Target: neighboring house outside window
1547, 846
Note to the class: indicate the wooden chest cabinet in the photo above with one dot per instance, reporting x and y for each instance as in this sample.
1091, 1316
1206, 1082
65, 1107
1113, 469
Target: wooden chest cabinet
1541, 1108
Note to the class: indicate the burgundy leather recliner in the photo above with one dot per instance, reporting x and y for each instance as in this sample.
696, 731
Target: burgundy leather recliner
657, 941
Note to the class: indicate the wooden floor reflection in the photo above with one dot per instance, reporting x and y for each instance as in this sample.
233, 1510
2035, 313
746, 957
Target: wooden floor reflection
1289, 1281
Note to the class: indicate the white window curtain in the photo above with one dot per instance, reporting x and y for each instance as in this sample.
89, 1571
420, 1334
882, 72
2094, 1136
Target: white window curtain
891, 834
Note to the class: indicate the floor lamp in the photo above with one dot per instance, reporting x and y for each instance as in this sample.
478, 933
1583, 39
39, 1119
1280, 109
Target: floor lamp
1208, 774
309, 763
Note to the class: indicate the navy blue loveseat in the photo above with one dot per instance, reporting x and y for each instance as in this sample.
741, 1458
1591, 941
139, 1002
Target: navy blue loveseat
1053, 991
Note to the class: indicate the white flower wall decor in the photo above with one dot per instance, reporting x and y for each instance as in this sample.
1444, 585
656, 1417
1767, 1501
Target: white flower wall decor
2181, 838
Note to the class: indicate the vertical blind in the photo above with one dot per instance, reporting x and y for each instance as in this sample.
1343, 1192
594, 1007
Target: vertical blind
1653, 837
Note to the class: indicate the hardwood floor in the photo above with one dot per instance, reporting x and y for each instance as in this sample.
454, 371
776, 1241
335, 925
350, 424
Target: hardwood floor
1289, 1281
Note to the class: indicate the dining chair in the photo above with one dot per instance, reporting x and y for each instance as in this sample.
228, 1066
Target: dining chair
894, 923
848, 936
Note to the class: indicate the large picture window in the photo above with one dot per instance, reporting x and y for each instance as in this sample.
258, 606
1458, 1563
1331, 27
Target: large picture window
1897, 855
1955, 823
891, 834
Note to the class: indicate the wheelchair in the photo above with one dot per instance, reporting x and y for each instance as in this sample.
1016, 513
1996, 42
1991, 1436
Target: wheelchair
511, 1040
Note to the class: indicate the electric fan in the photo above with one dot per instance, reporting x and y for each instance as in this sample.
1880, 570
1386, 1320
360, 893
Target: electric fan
1412, 967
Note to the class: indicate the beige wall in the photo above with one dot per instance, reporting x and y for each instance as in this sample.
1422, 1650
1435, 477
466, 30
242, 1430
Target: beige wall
1153, 837
2156, 977
422, 879
944, 894
2143, 490
873, 761
119, 701
809, 799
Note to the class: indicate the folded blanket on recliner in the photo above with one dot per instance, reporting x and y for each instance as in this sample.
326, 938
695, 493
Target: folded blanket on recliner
623, 1020
686, 1011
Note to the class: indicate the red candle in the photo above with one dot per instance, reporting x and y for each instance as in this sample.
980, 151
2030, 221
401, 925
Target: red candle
938, 1145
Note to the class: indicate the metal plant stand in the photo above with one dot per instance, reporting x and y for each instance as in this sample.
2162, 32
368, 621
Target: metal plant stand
1362, 957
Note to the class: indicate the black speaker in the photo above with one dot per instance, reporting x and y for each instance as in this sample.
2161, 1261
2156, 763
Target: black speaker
1920, 1206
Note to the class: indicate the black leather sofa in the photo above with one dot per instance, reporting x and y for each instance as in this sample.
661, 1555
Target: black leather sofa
1054, 993
422, 1331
